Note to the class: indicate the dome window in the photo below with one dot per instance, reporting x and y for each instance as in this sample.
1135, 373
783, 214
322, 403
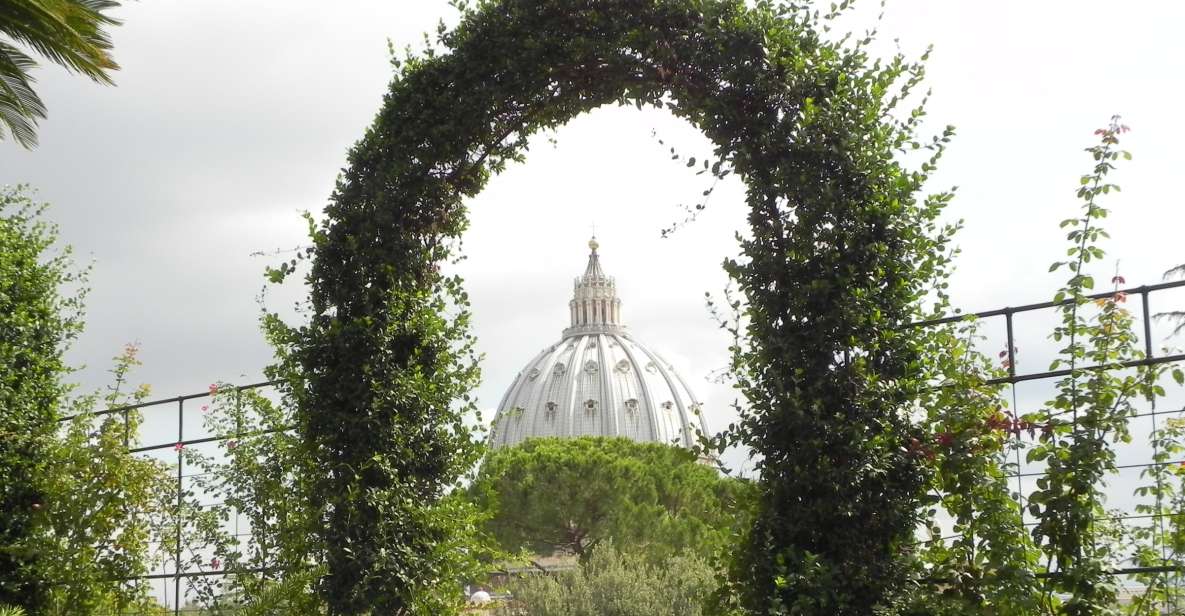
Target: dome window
651, 368
533, 374
517, 412
550, 413
590, 406
592, 344
590, 366
631, 406
559, 369
668, 405
623, 366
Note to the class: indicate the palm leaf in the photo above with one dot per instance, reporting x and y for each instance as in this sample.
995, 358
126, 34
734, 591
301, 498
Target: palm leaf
67, 32
71, 33
20, 107
1176, 272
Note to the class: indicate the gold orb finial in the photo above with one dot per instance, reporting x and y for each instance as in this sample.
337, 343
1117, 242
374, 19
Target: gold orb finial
593, 244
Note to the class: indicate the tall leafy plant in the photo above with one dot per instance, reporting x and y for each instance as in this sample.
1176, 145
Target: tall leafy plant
1090, 412
108, 513
38, 319
80, 512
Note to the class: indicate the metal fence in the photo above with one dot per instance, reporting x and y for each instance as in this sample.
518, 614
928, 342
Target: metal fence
1002, 327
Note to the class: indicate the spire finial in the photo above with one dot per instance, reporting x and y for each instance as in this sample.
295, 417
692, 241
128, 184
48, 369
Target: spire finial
595, 307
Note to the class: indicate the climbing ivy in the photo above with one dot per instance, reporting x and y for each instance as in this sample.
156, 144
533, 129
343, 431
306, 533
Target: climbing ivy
839, 255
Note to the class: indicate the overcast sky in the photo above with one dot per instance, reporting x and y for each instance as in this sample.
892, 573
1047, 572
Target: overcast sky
231, 117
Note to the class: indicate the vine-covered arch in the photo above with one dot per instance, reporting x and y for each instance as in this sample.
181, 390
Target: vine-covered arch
838, 256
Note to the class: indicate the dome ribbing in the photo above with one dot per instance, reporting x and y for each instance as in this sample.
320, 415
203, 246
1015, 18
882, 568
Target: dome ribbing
598, 380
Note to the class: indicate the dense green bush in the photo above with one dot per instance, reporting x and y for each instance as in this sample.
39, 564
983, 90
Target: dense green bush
570, 495
609, 582
37, 322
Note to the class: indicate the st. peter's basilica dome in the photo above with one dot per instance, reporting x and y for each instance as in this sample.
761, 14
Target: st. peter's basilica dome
598, 380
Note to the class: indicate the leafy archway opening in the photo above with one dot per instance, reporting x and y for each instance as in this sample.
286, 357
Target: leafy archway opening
839, 255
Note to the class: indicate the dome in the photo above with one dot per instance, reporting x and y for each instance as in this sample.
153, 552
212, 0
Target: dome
598, 380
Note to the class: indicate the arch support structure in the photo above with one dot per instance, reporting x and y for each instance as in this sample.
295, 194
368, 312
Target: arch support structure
837, 259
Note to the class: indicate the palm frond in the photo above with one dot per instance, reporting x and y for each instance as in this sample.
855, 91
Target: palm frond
20, 107
70, 33
1173, 316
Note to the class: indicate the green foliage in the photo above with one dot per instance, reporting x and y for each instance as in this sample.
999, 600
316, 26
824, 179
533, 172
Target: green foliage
610, 582
1160, 543
70, 33
247, 514
377, 387
1089, 414
570, 495
37, 322
985, 563
256, 480
839, 256
80, 511
104, 508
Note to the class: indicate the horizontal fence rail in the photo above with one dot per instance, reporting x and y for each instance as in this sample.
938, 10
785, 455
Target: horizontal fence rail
1014, 377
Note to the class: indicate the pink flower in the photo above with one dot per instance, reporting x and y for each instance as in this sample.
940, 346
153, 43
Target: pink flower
215, 563
1003, 354
1121, 297
178, 446
231, 444
205, 407
213, 388
1118, 280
